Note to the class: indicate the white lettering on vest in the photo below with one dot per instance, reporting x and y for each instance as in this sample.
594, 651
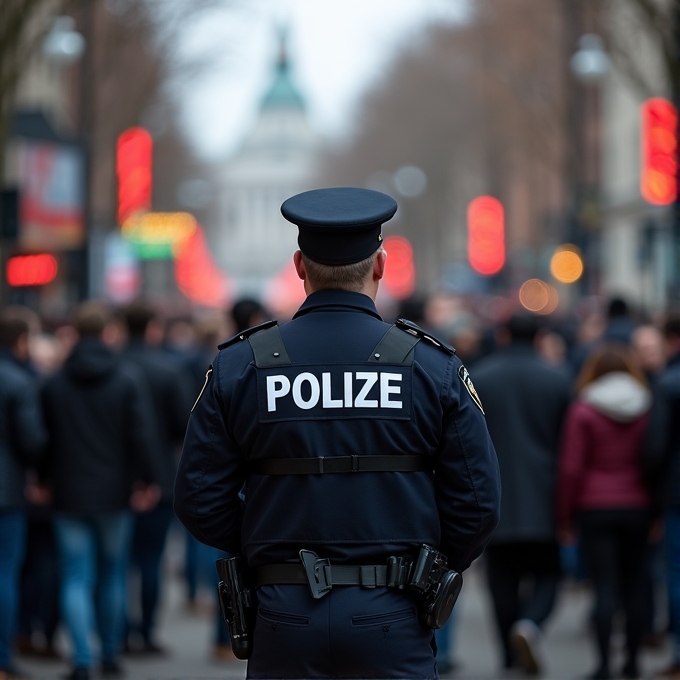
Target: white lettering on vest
326, 391
361, 401
386, 389
348, 390
273, 393
297, 391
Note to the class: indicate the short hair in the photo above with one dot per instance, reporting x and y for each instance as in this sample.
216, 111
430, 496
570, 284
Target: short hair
243, 312
523, 327
137, 316
15, 321
350, 277
671, 326
617, 308
609, 358
90, 318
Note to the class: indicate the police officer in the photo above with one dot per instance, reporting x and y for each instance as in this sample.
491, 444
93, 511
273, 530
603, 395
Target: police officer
327, 451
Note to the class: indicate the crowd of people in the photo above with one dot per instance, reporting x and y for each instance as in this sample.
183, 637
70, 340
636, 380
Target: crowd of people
584, 414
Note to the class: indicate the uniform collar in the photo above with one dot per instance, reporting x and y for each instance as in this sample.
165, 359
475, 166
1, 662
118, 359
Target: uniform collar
344, 299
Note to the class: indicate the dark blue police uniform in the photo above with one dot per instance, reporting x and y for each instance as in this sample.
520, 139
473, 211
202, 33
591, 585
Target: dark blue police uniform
325, 395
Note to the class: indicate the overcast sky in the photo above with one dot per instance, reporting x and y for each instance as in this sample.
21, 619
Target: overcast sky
338, 48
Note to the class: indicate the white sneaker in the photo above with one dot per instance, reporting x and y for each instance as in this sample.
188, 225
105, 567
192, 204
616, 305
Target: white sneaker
524, 637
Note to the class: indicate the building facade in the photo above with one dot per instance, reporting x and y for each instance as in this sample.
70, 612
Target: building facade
277, 158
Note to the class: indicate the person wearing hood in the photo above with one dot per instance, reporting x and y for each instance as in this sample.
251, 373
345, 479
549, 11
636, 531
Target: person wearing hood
100, 461
602, 493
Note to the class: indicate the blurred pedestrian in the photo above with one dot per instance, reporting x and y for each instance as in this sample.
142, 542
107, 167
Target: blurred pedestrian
525, 401
649, 347
669, 386
100, 459
38, 598
22, 437
618, 327
168, 388
602, 493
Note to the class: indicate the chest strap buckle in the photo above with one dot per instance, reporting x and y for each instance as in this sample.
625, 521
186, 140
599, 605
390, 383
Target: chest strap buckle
318, 571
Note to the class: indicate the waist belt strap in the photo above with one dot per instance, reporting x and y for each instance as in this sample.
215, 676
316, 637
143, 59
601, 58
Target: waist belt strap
341, 464
366, 575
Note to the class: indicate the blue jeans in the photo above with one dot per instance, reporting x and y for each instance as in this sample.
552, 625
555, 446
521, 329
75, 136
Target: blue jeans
673, 555
12, 539
148, 543
94, 549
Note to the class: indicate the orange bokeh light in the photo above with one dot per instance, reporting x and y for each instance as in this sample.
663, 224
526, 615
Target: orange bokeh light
538, 297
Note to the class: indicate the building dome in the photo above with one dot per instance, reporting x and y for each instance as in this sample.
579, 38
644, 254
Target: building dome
282, 92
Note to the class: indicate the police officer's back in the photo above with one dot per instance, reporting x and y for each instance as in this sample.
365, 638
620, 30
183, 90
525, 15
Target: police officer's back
357, 444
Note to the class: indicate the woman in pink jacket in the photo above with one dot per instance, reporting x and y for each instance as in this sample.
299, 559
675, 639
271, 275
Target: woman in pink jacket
601, 493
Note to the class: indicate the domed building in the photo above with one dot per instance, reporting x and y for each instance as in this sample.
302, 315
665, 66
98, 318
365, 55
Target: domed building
278, 158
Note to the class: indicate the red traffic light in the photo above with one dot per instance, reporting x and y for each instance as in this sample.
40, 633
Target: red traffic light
133, 167
486, 235
31, 270
658, 182
399, 279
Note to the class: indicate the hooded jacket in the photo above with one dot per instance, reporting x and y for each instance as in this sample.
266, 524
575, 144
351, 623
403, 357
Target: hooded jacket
97, 410
602, 442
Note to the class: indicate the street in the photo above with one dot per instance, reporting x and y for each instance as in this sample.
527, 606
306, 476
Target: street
567, 650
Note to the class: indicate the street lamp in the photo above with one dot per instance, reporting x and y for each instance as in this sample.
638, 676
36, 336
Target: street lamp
590, 64
63, 44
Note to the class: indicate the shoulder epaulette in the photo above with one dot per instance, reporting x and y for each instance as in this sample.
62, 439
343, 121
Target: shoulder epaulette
414, 329
244, 335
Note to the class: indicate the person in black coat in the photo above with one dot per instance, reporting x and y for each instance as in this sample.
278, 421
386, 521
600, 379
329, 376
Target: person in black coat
22, 437
525, 402
357, 442
169, 390
100, 460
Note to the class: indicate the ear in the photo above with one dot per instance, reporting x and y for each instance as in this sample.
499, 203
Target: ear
299, 265
379, 265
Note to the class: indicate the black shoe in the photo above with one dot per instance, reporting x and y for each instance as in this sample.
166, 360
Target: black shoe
78, 673
153, 649
600, 674
111, 669
631, 671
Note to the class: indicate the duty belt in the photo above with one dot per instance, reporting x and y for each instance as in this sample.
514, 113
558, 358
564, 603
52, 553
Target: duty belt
320, 575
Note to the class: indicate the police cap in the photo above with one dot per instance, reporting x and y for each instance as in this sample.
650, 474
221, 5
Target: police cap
340, 225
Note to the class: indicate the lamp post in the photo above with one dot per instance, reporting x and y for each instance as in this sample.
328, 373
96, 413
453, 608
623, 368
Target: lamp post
589, 65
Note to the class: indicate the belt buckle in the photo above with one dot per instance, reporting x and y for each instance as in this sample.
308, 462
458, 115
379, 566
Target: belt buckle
318, 572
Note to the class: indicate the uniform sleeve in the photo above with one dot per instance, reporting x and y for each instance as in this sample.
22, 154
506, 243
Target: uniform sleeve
211, 472
467, 479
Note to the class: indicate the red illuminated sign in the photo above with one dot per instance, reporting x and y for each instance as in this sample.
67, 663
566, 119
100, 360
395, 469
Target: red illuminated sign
31, 270
399, 279
133, 167
486, 235
658, 182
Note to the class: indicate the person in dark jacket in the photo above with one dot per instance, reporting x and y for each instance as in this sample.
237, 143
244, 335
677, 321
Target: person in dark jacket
168, 388
381, 445
669, 387
100, 460
22, 437
525, 402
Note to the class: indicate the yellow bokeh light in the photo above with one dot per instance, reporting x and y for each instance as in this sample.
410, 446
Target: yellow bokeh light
566, 264
538, 297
